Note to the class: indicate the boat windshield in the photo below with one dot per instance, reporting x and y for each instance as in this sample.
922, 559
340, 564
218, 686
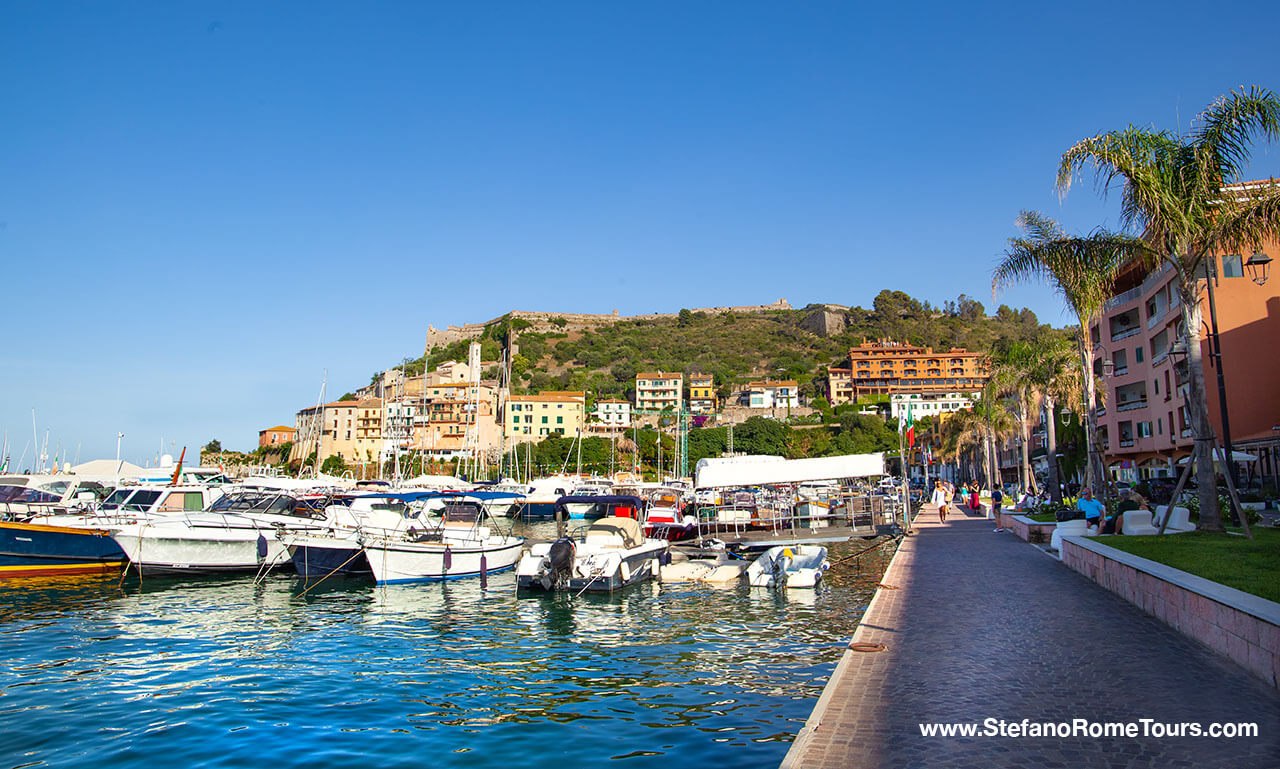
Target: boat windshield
253, 502
36, 495
11, 493
116, 499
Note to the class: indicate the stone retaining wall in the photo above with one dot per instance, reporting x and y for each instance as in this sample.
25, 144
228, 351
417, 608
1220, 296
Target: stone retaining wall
1029, 530
1238, 625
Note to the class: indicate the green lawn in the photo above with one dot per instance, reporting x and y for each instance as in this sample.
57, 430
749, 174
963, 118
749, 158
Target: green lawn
1042, 517
1231, 560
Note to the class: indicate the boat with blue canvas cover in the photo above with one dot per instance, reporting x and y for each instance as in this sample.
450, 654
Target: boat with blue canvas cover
591, 507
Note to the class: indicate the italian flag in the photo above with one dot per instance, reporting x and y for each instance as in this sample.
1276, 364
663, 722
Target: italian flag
911, 429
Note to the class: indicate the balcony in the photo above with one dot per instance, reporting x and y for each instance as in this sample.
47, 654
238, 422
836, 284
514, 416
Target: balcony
1126, 443
1125, 333
1131, 405
1125, 298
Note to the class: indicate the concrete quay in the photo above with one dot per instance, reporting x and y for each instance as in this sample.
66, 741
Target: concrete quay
981, 626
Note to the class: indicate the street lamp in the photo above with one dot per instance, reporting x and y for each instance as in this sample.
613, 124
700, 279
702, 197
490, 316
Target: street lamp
1259, 266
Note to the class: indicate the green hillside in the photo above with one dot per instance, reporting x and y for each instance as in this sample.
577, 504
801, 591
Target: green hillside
734, 347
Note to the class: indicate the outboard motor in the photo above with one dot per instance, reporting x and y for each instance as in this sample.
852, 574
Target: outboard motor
560, 560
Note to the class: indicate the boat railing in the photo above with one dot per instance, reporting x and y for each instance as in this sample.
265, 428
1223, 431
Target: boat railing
860, 512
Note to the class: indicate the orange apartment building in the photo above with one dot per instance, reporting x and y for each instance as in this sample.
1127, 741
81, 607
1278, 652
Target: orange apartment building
274, 436
885, 367
1143, 418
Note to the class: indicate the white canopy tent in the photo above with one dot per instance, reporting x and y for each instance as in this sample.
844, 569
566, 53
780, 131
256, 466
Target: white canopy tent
733, 471
1236, 456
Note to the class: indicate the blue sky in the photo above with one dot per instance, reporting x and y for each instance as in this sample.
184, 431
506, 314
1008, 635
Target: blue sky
206, 205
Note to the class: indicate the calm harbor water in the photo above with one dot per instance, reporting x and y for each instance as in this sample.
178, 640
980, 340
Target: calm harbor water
228, 673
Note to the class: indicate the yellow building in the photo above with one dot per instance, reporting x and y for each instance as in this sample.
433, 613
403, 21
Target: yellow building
702, 394
534, 417
885, 367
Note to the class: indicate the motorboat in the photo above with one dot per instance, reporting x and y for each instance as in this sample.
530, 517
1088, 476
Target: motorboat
541, 496
789, 566
667, 518
582, 501
604, 556
462, 543
724, 569
25, 496
77, 539
239, 532
498, 503
338, 547
599, 506
33, 549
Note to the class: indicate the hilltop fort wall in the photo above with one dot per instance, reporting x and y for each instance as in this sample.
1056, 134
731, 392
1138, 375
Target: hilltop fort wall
542, 322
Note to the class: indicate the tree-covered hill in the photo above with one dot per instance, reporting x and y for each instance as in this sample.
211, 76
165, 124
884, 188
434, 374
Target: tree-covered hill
734, 347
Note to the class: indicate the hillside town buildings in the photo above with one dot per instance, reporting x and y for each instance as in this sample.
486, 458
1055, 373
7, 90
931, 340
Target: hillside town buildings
886, 367
657, 390
702, 394
768, 394
534, 417
274, 436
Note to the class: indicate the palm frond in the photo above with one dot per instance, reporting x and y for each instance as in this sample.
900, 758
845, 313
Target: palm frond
1247, 222
1224, 132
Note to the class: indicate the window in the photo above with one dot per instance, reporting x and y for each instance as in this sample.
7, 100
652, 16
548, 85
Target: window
1137, 353
1144, 429
544, 420
1231, 266
559, 420
1159, 426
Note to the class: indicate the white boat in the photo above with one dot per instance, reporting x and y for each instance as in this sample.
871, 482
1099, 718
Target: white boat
721, 570
238, 532
608, 555
790, 566
582, 504
461, 545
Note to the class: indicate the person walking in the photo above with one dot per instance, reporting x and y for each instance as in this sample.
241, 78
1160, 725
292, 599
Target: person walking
940, 499
973, 497
996, 498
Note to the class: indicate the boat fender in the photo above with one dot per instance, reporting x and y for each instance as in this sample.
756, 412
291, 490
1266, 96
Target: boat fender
484, 572
448, 558
262, 547
625, 571
664, 558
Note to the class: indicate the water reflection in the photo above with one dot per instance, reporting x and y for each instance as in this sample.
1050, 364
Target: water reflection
230, 672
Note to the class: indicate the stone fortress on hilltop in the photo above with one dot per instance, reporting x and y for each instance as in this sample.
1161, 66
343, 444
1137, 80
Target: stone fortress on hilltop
573, 321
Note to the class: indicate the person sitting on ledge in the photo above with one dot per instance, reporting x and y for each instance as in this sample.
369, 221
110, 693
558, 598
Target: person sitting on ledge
1093, 510
1132, 501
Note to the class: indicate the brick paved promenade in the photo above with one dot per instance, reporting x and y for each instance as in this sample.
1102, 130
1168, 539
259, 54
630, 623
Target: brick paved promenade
985, 625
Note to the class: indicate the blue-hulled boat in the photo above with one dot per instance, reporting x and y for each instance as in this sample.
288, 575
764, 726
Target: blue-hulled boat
33, 549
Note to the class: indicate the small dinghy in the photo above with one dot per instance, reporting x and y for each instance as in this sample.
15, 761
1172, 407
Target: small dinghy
791, 566
721, 570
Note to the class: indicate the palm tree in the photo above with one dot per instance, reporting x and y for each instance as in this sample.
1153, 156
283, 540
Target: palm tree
1083, 270
1057, 378
1013, 365
1173, 189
